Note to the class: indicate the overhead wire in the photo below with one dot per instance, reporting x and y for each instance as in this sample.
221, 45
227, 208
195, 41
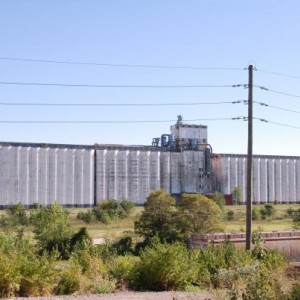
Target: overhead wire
276, 123
114, 85
118, 104
105, 122
117, 65
278, 74
277, 92
276, 107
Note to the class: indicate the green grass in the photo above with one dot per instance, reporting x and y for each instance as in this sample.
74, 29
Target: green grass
280, 220
115, 229
118, 228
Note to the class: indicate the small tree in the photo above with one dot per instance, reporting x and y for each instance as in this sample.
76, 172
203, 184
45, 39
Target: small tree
236, 195
157, 219
15, 218
219, 199
52, 229
198, 213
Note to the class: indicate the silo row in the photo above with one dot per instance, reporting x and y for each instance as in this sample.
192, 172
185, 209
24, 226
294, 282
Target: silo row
46, 174
132, 174
275, 179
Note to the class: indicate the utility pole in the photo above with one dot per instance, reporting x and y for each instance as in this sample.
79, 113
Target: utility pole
249, 161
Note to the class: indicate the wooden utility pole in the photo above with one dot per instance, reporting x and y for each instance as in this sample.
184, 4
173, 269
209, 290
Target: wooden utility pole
249, 160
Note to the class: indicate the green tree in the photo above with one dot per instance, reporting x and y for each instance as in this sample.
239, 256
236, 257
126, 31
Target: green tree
15, 218
198, 213
157, 219
52, 229
219, 199
236, 195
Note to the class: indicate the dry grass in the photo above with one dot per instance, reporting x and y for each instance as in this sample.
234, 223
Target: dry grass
118, 228
115, 229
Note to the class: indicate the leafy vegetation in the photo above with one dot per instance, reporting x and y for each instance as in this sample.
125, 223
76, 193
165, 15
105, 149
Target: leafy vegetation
170, 223
158, 218
107, 211
54, 257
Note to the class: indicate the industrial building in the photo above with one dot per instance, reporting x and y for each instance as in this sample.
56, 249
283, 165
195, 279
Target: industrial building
178, 162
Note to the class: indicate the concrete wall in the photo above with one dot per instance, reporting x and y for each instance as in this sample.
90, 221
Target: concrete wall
275, 178
133, 174
36, 173
84, 175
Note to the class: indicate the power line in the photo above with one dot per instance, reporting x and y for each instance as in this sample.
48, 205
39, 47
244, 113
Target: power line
278, 74
118, 104
117, 65
277, 92
109, 122
276, 123
276, 107
115, 86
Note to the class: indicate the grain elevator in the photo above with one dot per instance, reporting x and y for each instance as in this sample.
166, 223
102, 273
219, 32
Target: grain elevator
180, 161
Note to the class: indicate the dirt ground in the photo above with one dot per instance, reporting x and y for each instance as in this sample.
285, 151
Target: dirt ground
134, 296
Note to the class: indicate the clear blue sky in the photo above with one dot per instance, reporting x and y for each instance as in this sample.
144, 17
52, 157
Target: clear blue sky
213, 34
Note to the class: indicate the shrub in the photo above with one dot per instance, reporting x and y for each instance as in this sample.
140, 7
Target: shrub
295, 292
15, 218
52, 229
226, 256
255, 213
166, 267
106, 211
290, 211
267, 211
258, 283
23, 273
113, 208
157, 219
80, 239
71, 280
87, 217
219, 199
94, 276
127, 205
124, 246
124, 269
296, 219
198, 213
230, 215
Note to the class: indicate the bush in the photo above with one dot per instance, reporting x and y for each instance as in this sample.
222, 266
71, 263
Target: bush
106, 211
290, 211
87, 217
52, 229
158, 218
219, 199
296, 219
127, 205
230, 215
267, 211
124, 269
166, 267
226, 256
15, 217
23, 273
255, 213
80, 240
94, 276
124, 246
258, 283
294, 293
